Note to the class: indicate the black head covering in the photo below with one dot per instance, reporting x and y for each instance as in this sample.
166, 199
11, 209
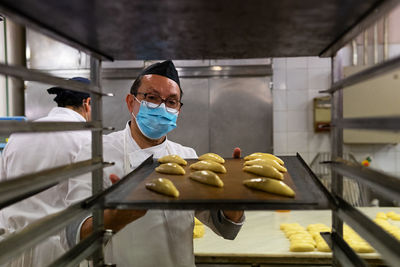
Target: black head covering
165, 68
66, 97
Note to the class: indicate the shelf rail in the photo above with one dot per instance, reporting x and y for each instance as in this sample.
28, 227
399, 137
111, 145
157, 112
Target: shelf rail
373, 123
376, 12
38, 231
387, 245
346, 255
14, 190
370, 73
9, 127
387, 185
37, 76
27, 185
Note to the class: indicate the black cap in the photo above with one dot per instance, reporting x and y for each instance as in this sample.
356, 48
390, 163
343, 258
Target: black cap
66, 97
165, 68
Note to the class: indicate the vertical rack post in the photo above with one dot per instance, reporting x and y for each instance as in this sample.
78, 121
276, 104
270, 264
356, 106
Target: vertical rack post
336, 151
97, 153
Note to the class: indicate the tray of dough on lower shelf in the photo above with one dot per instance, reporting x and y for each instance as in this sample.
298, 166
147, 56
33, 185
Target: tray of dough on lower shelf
131, 192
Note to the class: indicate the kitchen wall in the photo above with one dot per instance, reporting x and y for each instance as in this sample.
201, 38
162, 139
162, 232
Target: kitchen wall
296, 82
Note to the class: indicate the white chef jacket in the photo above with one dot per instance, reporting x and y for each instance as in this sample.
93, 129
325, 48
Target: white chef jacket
32, 152
161, 237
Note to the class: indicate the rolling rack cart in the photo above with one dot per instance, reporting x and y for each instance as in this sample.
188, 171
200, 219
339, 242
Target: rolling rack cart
83, 25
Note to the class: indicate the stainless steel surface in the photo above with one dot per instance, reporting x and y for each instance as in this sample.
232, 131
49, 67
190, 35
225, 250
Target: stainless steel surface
32, 75
27, 185
240, 115
48, 54
183, 29
387, 245
354, 53
385, 38
194, 119
376, 59
386, 184
80, 252
97, 152
337, 151
309, 194
365, 47
9, 127
375, 12
345, 254
376, 123
372, 72
196, 72
38, 231
14, 39
220, 114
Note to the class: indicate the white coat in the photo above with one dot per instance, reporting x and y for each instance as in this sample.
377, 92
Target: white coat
161, 237
33, 152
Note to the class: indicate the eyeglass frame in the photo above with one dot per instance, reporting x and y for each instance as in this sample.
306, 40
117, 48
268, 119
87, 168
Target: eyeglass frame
162, 100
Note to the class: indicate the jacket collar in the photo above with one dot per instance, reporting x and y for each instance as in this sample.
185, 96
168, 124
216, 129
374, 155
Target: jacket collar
67, 113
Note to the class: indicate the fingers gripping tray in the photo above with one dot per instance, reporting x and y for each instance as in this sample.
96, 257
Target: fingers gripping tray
132, 193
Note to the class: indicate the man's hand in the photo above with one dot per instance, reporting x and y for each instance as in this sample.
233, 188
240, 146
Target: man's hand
113, 219
233, 215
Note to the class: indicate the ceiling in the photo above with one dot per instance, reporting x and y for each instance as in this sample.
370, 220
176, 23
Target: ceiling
182, 29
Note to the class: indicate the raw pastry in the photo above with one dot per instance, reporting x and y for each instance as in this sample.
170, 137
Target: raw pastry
270, 185
393, 215
208, 165
170, 168
198, 230
264, 170
263, 155
322, 246
173, 158
381, 215
266, 161
301, 247
213, 157
163, 186
207, 177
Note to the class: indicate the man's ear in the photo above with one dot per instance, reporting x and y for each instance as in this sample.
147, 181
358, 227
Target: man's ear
130, 101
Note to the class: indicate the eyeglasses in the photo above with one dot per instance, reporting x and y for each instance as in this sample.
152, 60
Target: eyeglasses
170, 102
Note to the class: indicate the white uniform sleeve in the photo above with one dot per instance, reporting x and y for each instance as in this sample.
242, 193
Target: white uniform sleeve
222, 226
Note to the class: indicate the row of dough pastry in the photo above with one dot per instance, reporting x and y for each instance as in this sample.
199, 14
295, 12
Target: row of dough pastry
205, 172
271, 168
267, 165
302, 240
382, 220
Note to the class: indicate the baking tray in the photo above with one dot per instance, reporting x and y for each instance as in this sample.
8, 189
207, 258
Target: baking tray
132, 194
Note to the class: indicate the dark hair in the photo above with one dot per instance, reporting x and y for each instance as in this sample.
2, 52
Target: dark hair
136, 84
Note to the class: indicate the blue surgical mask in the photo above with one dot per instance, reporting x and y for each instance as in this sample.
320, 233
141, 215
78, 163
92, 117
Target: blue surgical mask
155, 123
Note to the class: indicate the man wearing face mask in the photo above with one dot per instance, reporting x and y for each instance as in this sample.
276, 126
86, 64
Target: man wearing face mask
155, 237
33, 152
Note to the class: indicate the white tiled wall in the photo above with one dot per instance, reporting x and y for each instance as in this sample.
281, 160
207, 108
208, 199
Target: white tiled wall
296, 82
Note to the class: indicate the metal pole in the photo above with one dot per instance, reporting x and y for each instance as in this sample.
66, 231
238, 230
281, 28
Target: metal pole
336, 151
365, 50
355, 53
97, 152
385, 38
376, 43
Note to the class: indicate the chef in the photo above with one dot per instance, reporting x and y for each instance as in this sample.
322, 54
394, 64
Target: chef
155, 237
30, 153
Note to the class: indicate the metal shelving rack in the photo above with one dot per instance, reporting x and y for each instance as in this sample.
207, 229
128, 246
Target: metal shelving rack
342, 211
27, 185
